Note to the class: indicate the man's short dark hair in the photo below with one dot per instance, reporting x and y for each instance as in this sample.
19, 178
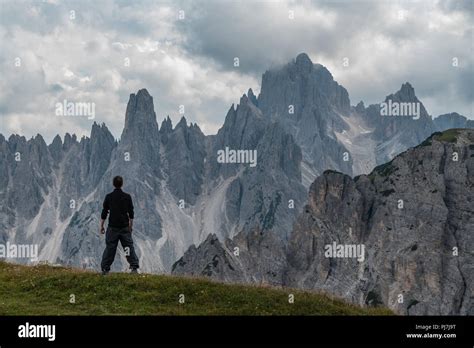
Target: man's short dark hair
118, 181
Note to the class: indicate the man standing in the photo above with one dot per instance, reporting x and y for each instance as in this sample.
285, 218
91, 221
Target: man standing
120, 206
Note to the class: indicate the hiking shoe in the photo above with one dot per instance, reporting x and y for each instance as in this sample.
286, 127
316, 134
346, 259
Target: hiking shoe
134, 271
104, 273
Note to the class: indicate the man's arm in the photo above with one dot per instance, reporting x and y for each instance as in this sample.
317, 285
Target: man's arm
103, 216
101, 227
131, 214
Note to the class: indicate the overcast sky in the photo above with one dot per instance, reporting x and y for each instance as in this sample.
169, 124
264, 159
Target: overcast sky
78, 51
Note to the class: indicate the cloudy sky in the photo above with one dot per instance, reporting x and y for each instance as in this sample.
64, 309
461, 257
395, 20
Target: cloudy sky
183, 53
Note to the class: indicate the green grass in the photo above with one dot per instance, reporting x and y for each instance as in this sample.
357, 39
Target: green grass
428, 141
46, 290
449, 136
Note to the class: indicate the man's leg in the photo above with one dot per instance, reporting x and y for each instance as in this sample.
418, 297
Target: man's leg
127, 244
111, 241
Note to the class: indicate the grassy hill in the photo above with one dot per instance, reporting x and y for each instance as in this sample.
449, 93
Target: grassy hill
46, 290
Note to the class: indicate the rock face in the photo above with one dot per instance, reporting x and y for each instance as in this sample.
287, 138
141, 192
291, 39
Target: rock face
231, 220
394, 134
182, 193
260, 205
306, 100
322, 119
258, 197
255, 256
185, 172
413, 215
452, 120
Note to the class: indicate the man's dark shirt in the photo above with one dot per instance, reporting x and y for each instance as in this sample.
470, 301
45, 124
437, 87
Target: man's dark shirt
120, 206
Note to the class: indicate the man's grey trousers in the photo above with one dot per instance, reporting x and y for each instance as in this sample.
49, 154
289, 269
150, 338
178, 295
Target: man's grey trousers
112, 236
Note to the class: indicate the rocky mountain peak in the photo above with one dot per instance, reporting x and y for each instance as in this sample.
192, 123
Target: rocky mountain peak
241, 120
100, 131
143, 97
309, 104
55, 148
69, 140
360, 107
195, 125
303, 62
252, 97
141, 137
399, 214
298, 127
405, 94
243, 100
101, 145
246, 104
14, 138
140, 102
183, 123
38, 139
166, 125
140, 117
452, 120
407, 88
57, 141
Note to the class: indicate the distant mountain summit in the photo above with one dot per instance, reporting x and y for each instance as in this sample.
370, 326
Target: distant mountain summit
219, 216
309, 104
452, 120
413, 215
304, 98
401, 235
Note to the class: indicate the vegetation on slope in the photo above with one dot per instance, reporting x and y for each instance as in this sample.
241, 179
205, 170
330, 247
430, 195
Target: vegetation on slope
47, 290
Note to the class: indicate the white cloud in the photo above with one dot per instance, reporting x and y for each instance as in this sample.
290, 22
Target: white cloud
190, 62
83, 60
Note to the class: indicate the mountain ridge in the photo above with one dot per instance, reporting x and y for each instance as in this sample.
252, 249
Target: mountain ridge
184, 194
354, 210
148, 294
